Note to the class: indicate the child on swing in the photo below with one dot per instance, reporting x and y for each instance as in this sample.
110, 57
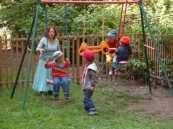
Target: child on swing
122, 53
112, 41
59, 74
88, 81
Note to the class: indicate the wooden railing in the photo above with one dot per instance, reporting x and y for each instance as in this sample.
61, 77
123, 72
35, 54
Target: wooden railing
166, 55
10, 58
165, 49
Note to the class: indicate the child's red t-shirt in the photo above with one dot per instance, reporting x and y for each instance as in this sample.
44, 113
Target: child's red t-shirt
58, 71
113, 43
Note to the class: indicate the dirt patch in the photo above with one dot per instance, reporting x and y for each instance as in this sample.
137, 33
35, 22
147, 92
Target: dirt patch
159, 104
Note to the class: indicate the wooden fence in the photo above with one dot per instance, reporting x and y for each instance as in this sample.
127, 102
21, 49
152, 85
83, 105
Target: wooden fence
10, 56
166, 55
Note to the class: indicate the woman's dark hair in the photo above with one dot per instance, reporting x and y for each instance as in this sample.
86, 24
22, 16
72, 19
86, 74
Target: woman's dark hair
48, 30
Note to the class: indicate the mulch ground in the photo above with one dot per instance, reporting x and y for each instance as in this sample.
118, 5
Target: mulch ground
159, 103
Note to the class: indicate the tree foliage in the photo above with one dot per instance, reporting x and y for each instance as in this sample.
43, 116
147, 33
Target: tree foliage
17, 15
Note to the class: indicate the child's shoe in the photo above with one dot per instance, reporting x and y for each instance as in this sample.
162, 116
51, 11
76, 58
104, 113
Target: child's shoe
67, 97
50, 92
110, 72
92, 113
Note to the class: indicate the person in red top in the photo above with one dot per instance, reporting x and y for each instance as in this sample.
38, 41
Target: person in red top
59, 74
112, 41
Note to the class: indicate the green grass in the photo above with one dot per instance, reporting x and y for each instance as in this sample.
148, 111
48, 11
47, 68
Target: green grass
43, 113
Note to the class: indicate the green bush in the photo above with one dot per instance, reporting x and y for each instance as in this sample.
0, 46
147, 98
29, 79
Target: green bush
137, 68
169, 68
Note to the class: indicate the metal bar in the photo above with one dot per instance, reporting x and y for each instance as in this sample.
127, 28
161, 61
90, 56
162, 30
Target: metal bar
89, 1
78, 61
145, 50
26, 85
65, 20
124, 17
120, 22
46, 17
73, 58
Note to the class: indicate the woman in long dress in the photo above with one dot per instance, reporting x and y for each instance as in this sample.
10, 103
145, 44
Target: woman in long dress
47, 45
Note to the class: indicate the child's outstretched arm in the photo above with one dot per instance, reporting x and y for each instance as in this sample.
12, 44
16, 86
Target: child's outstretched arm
115, 49
50, 64
67, 63
112, 49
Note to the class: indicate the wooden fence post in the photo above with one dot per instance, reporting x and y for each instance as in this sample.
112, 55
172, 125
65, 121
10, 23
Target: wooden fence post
78, 61
10, 74
0, 76
73, 60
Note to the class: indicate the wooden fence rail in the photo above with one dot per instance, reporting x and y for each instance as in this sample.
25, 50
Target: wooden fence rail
10, 56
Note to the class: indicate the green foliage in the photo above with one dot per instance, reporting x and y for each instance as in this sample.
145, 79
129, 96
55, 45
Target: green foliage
169, 67
96, 19
137, 68
17, 15
160, 15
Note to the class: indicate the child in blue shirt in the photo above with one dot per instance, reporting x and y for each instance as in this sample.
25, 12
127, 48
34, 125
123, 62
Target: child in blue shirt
122, 52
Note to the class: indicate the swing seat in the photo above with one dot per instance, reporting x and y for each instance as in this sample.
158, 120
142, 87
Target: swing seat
122, 67
123, 62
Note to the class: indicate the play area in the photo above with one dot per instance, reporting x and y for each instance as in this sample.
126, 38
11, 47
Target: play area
86, 64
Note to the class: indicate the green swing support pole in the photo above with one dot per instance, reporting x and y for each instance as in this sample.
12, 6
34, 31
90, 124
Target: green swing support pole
65, 19
144, 48
23, 57
26, 85
46, 17
66, 41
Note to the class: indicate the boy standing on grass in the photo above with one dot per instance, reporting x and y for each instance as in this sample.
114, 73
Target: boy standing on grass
59, 74
88, 81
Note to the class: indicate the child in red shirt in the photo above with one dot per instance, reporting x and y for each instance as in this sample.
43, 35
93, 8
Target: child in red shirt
59, 74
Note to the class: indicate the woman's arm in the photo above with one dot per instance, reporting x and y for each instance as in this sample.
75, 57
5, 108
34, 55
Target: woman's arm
115, 49
66, 63
41, 45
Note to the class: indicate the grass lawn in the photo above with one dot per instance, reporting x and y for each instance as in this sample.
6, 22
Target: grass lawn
43, 113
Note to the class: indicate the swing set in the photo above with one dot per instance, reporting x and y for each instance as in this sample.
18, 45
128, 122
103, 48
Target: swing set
145, 26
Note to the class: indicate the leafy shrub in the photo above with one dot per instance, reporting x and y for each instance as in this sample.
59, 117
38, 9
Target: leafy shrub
137, 68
